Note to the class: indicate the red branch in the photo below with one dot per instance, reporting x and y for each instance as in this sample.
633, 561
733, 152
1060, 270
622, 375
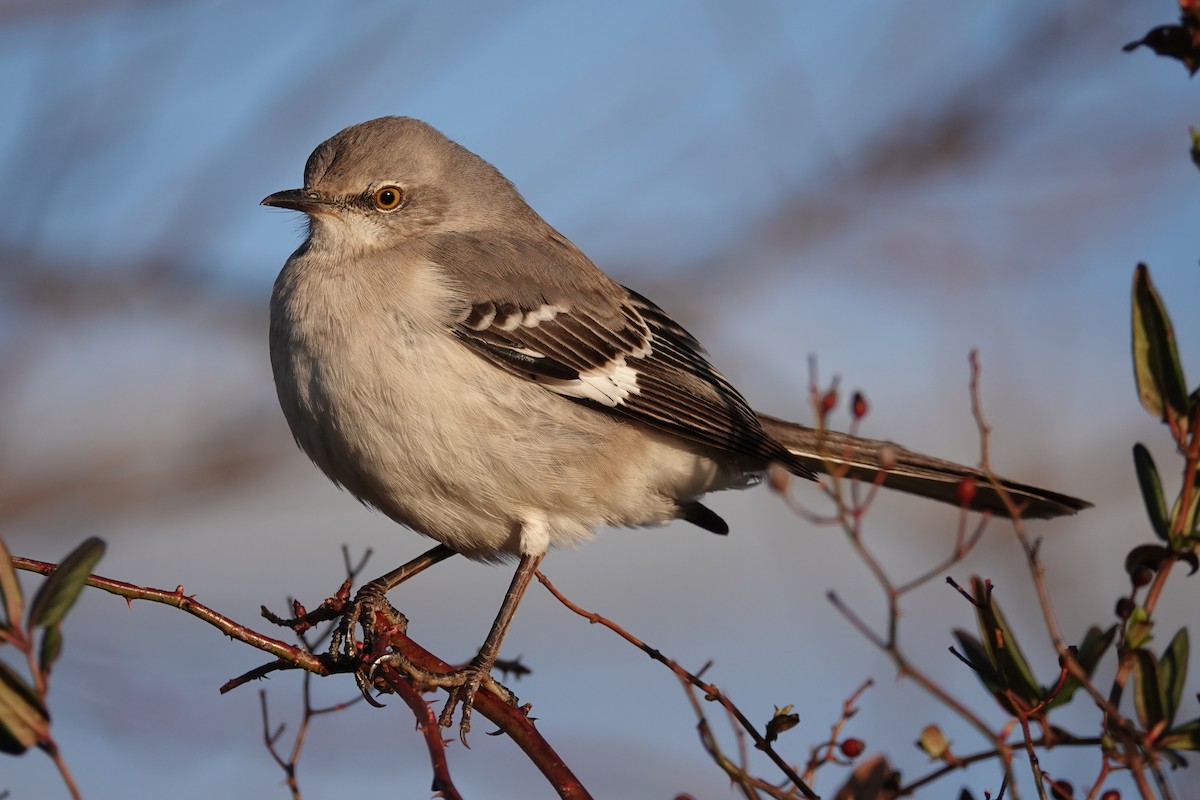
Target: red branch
510, 720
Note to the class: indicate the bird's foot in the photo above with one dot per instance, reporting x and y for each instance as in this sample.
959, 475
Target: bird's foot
462, 685
378, 620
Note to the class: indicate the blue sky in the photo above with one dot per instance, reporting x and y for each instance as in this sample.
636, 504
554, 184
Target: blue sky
882, 186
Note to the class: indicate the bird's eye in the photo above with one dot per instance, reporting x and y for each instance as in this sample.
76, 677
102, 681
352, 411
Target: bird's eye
387, 198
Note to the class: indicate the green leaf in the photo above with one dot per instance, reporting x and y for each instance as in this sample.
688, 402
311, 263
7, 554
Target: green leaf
51, 648
1152, 492
10, 590
1002, 646
11, 745
978, 659
1093, 647
23, 719
1188, 514
1174, 664
1139, 630
59, 592
1148, 699
1184, 737
1156, 368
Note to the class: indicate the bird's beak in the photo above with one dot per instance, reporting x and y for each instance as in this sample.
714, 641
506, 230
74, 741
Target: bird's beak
296, 199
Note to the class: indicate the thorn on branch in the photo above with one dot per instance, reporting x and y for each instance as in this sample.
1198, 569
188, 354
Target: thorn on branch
512, 667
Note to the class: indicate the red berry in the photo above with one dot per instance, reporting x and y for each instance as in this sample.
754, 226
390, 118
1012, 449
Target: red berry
829, 400
858, 405
1062, 790
966, 491
852, 748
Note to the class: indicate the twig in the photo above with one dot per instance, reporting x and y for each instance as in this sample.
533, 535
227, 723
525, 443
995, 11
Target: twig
510, 720
1027, 737
50, 747
1118, 724
296, 656
849, 517
747, 783
269, 739
816, 758
308, 713
962, 762
963, 545
907, 670
431, 731
711, 692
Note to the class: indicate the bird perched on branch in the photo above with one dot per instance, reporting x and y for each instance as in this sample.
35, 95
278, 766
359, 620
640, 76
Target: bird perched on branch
449, 358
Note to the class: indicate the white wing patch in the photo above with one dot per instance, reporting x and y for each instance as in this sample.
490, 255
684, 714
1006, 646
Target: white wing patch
559, 357
543, 314
508, 317
481, 317
608, 385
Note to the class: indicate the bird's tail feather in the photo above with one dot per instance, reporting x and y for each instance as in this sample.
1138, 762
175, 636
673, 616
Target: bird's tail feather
911, 472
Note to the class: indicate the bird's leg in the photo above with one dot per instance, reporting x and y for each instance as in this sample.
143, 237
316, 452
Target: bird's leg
480, 669
376, 614
462, 684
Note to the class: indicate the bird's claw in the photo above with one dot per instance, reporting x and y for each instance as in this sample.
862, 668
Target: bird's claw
462, 685
378, 619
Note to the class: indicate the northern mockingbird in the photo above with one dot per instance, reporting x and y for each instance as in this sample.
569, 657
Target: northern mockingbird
452, 360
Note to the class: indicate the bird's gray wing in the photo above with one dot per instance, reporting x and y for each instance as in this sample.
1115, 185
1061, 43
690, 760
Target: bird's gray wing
596, 342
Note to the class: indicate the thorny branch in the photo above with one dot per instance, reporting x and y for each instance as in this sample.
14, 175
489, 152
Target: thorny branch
512, 721
711, 692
